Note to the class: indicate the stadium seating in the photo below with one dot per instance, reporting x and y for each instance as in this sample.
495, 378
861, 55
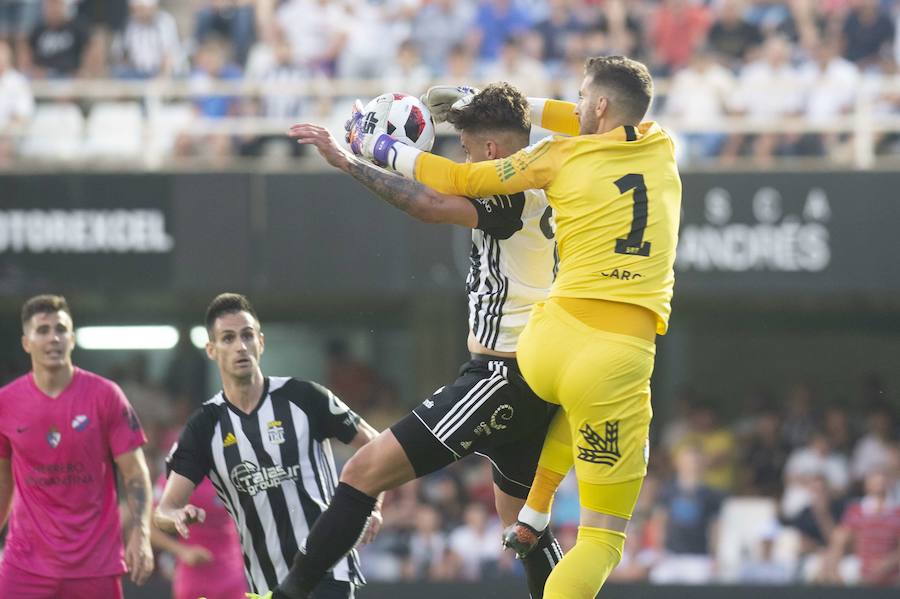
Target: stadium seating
54, 133
115, 131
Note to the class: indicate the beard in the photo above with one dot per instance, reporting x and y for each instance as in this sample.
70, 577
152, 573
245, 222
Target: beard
588, 123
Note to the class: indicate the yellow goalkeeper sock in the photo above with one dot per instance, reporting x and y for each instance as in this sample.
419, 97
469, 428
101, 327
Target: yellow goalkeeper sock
540, 497
555, 462
587, 565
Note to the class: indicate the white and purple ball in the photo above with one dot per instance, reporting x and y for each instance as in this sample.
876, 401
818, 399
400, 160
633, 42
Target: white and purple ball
403, 117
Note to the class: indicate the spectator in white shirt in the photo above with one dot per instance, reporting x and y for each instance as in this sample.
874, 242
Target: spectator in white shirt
16, 102
438, 27
697, 100
473, 546
831, 83
804, 464
369, 45
407, 74
516, 67
768, 90
873, 451
317, 32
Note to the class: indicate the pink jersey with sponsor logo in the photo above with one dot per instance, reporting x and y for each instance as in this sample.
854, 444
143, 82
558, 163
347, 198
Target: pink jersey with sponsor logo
65, 519
222, 578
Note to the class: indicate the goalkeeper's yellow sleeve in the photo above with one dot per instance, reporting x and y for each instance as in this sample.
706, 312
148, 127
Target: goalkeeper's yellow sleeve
555, 115
531, 168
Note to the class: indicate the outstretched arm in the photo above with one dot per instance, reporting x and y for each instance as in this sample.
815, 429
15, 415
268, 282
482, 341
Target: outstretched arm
533, 167
415, 199
555, 115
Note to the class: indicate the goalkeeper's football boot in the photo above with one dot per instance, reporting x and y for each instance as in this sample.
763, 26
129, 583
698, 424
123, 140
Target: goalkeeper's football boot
521, 538
255, 596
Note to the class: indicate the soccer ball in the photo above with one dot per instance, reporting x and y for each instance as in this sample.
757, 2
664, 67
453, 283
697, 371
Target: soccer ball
403, 117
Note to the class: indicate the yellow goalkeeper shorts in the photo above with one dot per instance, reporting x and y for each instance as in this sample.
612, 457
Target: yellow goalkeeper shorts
602, 382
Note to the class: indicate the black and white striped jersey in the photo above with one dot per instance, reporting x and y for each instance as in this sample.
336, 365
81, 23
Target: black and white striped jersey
513, 263
273, 470
144, 45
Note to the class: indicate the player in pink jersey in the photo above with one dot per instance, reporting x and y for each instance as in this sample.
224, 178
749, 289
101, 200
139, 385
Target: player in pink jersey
210, 563
63, 434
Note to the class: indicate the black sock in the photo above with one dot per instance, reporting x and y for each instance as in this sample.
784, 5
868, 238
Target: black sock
540, 561
333, 535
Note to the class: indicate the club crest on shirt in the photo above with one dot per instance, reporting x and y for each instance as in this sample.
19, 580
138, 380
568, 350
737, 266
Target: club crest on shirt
54, 437
276, 432
80, 422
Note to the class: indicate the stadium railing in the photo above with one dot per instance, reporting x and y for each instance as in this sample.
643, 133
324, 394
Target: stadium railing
861, 125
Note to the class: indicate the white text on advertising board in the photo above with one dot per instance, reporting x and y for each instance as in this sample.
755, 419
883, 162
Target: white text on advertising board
776, 242
141, 231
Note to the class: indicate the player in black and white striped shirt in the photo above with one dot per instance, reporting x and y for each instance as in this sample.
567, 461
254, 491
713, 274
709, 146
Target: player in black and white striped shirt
264, 442
489, 409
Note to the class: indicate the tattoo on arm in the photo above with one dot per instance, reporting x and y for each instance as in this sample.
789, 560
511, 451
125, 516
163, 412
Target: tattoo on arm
399, 192
137, 496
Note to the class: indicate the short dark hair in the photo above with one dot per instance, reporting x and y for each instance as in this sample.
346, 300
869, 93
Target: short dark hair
498, 107
227, 303
628, 79
44, 304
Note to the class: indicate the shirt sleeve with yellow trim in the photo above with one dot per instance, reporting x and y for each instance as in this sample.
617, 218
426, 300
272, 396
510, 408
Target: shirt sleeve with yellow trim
533, 167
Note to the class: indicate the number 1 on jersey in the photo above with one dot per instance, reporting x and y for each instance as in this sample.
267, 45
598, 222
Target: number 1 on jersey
634, 244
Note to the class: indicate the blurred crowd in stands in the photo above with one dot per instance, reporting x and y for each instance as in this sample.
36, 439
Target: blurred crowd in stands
784, 486
760, 59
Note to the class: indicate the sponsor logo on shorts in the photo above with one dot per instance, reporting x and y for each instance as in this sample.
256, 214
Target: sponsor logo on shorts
428, 403
465, 444
249, 478
80, 422
603, 450
276, 432
502, 414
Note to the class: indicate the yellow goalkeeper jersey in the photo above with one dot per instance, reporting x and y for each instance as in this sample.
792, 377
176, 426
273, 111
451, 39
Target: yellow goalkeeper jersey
616, 198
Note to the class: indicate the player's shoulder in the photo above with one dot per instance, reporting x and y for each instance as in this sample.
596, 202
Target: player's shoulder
298, 391
15, 386
97, 385
652, 131
207, 415
288, 386
546, 143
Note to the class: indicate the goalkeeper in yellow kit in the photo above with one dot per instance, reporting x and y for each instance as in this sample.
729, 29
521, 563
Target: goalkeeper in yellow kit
616, 195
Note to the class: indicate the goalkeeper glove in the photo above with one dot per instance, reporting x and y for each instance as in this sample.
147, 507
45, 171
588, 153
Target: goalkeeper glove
441, 99
364, 141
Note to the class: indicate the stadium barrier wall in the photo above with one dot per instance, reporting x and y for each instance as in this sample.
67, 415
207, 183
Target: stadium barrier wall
319, 235
515, 589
